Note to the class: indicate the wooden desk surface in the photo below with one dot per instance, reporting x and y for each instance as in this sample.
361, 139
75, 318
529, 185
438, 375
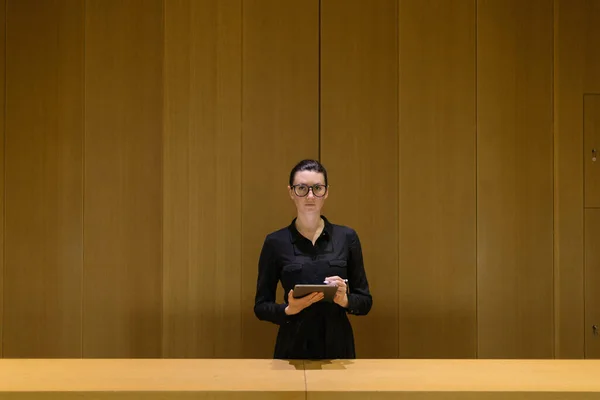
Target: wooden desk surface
313, 380
156, 378
454, 379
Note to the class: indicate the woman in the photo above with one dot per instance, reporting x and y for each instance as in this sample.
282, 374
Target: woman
312, 250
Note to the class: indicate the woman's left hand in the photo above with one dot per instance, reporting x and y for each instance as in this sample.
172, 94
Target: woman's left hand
341, 296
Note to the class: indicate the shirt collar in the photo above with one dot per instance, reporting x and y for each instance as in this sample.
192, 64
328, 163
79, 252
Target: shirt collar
295, 235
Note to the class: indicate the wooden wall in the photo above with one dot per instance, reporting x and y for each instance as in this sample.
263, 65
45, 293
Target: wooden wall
202, 176
437, 170
44, 180
147, 146
514, 179
576, 74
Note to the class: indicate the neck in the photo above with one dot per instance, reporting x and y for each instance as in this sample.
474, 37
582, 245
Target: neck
308, 223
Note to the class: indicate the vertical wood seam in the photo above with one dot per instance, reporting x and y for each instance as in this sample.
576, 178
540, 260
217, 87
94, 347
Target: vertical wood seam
162, 187
240, 14
4, 184
83, 142
476, 181
555, 263
583, 235
398, 138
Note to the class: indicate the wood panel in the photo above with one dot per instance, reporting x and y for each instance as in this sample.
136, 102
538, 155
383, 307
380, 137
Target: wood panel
123, 186
438, 316
202, 172
359, 146
2, 156
280, 127
43, 167
568, 179
591, 150
592, 282
515, 179
591, 40
575, 69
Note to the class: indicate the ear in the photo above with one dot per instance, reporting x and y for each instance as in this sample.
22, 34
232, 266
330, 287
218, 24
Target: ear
291, 192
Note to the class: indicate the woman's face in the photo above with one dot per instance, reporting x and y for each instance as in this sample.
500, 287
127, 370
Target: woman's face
311, 182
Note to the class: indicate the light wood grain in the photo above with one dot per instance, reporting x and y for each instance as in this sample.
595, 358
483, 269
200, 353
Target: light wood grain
202, 172
123, 186
165, 375
437, 268
455, 379
43, 179
158, 395
359, 146
134, 395
377, 395
280, 127
515, 179
151, 379
337, 379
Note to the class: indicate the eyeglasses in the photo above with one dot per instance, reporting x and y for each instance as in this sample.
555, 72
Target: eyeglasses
302, 190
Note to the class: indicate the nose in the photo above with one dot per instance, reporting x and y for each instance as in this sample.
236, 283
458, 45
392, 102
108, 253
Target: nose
310, 193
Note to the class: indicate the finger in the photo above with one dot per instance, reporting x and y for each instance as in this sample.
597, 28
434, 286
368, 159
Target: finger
314, 297
317, 297
341, 284
309, 299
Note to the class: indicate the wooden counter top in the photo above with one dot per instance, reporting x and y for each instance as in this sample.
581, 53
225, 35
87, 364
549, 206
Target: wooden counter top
166, 378
469, 379
314, 380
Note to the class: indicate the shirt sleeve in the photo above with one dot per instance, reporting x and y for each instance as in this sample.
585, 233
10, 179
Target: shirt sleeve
265, 306
359, 296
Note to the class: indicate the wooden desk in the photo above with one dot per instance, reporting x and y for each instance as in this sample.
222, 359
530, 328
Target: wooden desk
155, 379
453, 379
313, 380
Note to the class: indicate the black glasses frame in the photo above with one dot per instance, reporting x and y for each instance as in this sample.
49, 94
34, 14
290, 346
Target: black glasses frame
310, 188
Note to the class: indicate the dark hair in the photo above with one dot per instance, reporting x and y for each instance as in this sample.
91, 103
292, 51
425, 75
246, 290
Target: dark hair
308, 165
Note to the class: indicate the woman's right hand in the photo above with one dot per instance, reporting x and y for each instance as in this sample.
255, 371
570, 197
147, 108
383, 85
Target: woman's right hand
297, 305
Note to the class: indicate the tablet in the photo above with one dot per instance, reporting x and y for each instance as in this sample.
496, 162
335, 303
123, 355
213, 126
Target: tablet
303, 290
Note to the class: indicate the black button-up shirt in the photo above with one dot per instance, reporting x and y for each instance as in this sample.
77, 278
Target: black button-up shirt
322, 330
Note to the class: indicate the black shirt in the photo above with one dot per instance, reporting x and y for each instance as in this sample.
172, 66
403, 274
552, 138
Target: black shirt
322, 330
